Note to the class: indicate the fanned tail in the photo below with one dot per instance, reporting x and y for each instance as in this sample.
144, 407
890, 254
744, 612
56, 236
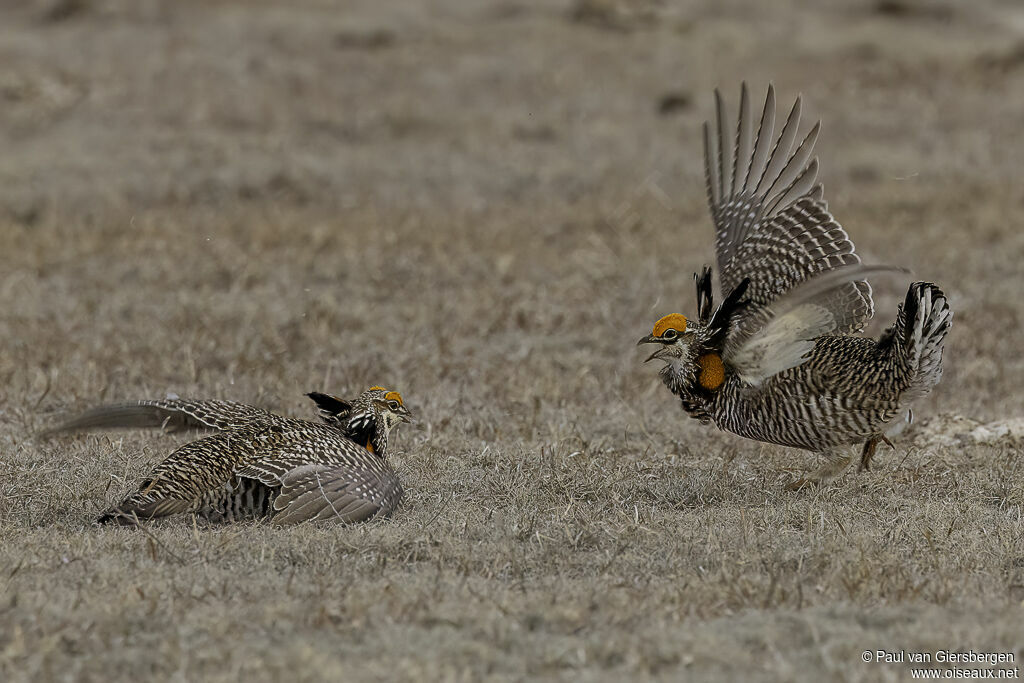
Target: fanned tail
917, 337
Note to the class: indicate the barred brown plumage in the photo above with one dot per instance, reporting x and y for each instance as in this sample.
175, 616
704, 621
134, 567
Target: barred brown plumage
260, 464
793, 374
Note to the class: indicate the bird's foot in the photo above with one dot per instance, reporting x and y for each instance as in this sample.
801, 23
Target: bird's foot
800, 484
868, 452
834, 465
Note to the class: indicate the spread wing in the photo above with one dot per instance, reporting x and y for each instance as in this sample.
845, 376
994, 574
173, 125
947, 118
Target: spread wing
781, 334
325, 478
170, 414
772, 225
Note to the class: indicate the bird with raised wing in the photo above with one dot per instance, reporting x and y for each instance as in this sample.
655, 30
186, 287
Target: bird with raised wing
779, 360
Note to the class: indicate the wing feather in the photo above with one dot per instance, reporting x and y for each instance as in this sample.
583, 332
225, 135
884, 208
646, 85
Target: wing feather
724, 145
781, 335
170, 414
744, 145
800, 186
784, 342
711, 179
325, 477
796, 167
772, 224
323, 491
763, 145
780, 152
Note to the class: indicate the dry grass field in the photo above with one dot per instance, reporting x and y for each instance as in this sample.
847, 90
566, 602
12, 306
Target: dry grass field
484, 205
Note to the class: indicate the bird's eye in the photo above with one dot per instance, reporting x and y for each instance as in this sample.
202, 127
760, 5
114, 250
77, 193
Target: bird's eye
669, 334
393, 405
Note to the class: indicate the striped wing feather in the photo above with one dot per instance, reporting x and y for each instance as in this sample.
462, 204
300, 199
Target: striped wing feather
772, 224
181, 480
325, 478
131, 511
778, 336
317, 491
170, 414
314, 470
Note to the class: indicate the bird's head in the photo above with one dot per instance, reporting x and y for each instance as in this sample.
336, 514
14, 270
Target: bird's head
679, 343
674, 334
368, 419
386, 405
692, 348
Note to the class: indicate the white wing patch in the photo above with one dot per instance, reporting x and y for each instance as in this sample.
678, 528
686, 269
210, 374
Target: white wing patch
781, 336
783, 343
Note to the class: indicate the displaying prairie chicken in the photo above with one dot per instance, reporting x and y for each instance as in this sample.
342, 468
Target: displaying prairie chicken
776, 362
259, 464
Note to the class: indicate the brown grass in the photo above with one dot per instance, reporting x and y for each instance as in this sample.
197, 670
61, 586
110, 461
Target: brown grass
485, 210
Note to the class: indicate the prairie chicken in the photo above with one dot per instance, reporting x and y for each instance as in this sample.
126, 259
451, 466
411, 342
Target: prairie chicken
776, 362
259, 464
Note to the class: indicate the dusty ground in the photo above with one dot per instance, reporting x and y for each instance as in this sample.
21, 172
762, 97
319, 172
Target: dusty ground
484, 205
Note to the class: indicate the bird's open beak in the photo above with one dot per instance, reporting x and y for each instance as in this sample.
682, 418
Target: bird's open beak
405, 414
657, 354
651, 339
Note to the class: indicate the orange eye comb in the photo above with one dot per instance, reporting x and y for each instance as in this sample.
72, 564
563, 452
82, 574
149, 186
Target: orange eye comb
672, 321
389, 395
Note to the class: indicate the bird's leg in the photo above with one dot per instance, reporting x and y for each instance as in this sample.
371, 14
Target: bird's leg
836, 460
868, 452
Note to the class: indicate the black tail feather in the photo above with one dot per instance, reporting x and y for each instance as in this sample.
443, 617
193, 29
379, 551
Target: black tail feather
705, 298
333, 410
733, 304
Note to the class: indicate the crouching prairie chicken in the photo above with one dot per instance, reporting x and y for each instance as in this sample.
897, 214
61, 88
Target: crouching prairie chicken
776, 361
260, 464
